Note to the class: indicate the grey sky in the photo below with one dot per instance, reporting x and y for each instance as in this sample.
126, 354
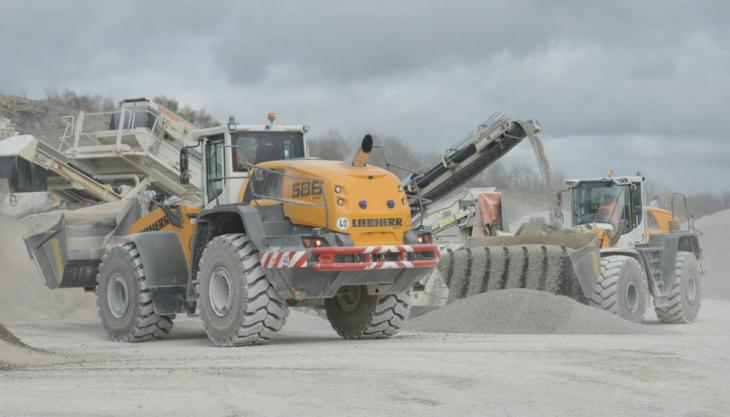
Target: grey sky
623, 84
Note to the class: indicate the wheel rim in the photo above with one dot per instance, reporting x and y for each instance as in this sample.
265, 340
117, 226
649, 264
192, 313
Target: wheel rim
220, 292
632, 297
349, 298
691, 289
117, 295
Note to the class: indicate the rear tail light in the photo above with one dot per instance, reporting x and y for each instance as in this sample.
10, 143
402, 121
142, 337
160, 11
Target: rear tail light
425, 238
313, 242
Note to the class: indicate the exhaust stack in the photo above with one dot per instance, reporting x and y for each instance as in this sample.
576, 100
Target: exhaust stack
361, 157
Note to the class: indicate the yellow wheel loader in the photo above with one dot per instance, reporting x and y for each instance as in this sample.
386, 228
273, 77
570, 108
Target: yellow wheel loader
269, 229
643, 250
617, 253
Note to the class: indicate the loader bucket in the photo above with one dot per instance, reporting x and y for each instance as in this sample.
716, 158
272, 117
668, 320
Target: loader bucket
68, 252
562, 263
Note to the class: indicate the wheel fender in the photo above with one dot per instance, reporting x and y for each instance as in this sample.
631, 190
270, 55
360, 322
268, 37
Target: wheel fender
165, 268
251, 223
251, 220
162, 257
672, 243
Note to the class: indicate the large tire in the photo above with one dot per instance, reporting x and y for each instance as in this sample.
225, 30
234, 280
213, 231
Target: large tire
685, 297
356, 315
238, 304
124, 301
623, 289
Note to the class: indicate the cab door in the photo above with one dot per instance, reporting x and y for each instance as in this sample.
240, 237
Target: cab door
634, 219
215, 167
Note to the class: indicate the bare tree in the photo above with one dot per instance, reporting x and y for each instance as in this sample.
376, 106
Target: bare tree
331, 146
199, 117
80, 102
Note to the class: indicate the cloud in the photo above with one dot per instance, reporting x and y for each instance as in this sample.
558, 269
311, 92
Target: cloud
640, 85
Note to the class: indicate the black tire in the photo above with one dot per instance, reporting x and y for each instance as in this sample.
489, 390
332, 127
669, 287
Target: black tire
685, 297
238, 304
124, 301
623, 289
356, 315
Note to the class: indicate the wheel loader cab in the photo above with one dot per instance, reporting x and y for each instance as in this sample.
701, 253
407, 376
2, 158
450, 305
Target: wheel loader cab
612, 207
229, 150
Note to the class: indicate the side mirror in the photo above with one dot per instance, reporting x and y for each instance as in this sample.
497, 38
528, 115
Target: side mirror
184, 169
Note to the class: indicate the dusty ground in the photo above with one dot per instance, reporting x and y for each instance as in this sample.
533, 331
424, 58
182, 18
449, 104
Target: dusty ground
309, 371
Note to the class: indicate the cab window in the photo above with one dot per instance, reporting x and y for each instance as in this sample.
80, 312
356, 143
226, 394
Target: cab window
258, 147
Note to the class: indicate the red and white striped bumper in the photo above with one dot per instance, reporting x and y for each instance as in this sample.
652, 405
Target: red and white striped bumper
284, 259
368, 258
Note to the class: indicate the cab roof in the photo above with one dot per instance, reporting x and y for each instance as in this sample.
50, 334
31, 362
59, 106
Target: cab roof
618, 180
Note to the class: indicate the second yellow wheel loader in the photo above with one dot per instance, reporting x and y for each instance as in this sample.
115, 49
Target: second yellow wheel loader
617, 254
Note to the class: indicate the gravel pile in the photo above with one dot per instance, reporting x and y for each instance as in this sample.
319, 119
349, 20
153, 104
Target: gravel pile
523, 311
715, 243
10, 338
16, 354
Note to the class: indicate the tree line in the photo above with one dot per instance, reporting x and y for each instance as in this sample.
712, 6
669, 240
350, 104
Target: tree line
89, 103
519, 181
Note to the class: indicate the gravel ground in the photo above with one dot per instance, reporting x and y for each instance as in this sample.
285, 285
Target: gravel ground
523, 311
308, 371
644, 370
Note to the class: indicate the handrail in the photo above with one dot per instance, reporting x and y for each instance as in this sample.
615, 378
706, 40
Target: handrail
690, 217
76, 136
